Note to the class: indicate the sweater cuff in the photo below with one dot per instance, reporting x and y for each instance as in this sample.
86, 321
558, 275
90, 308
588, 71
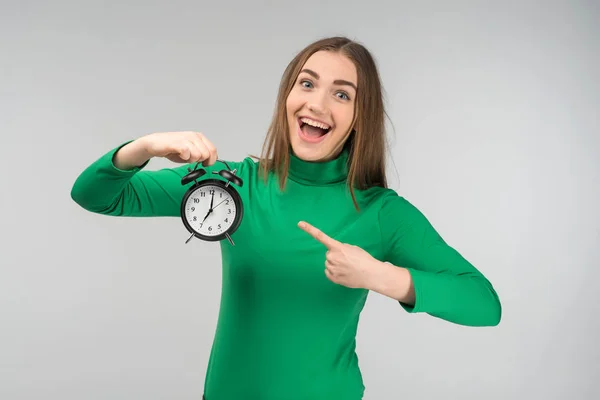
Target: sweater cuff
418, 277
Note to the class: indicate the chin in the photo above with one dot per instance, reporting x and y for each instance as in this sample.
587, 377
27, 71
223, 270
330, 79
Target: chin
307, 154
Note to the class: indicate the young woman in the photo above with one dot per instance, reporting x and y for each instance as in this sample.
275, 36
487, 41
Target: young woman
320, 230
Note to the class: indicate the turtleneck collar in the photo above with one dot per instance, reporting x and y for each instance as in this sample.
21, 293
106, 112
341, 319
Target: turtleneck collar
318, 173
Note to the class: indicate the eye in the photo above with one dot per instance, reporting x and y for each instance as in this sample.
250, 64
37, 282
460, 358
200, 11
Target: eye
306, 83
344, 95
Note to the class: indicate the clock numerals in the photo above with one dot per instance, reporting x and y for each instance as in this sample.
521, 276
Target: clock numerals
207, 210
209, 222
210, 228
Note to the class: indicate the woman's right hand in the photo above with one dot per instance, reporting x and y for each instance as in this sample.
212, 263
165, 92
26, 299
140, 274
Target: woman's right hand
179, 147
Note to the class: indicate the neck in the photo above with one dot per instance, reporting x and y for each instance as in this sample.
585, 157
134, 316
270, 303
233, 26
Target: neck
318, 173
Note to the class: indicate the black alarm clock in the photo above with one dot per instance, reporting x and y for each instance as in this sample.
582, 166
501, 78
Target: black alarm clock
212, 209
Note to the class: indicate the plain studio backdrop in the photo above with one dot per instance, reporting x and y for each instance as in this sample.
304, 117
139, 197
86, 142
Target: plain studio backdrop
494, 136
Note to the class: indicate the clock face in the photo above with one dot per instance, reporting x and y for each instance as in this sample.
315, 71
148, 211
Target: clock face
210, 210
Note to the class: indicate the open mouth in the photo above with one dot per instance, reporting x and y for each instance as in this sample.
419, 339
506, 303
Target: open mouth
311, 130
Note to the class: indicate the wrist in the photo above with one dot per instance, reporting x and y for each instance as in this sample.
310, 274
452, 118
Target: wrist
391, 281
377, 277
140, 147
133, 154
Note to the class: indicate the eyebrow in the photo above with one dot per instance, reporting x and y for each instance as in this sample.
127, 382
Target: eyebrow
336, 82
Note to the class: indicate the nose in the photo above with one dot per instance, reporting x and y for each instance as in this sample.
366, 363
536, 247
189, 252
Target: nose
317, 102
316, 107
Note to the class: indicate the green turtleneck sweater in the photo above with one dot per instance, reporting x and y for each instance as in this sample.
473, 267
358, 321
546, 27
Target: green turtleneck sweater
284, 330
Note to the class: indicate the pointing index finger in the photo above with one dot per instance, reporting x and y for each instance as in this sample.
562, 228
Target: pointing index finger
318, 234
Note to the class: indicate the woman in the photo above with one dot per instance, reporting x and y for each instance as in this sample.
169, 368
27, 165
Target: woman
320, 230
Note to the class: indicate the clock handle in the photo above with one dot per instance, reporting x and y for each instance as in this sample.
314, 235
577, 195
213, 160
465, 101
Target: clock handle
224, 162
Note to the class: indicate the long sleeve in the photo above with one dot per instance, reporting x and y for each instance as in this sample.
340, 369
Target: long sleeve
105, 189
446, 285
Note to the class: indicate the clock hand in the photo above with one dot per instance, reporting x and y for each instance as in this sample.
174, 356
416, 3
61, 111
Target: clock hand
211, 208
221, 203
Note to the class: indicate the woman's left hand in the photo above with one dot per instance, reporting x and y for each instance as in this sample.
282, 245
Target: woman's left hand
345, 264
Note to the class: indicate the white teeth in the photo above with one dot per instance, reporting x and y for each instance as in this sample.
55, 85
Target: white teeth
314, 123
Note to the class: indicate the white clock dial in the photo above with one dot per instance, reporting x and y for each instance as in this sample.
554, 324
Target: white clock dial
204, 221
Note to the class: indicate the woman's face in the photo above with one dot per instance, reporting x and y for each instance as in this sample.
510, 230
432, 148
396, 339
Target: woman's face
320, 107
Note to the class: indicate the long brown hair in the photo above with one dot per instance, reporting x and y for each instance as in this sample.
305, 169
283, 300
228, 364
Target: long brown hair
366, 143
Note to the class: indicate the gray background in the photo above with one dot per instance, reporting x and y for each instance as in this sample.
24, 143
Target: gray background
495, 138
